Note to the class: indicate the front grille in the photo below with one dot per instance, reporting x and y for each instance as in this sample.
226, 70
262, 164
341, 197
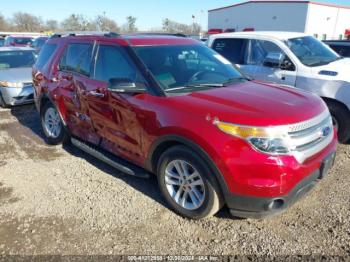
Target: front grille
310, 137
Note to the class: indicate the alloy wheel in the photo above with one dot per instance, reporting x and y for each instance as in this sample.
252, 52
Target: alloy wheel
185, 184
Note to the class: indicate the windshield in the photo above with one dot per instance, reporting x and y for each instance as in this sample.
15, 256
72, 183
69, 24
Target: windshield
16, 59
191, 67
2, 42
312, 52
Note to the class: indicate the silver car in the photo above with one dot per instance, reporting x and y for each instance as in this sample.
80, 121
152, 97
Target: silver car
15, 75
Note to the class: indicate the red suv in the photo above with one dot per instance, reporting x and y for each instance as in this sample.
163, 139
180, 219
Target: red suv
169, 106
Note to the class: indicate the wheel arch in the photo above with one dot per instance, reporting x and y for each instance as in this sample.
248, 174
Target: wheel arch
45, 98
165, 142
328, 100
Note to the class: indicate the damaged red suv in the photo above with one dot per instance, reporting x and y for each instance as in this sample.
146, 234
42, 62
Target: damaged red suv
169, 106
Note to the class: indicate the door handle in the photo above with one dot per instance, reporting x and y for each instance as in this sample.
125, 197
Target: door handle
96, 94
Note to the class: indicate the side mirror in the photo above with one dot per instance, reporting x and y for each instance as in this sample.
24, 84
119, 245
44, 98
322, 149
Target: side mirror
273, 59
124, 85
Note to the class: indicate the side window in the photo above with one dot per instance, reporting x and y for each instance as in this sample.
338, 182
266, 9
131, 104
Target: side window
45, 54
113, 62
231, 48
341, 50
77, 58
266, 53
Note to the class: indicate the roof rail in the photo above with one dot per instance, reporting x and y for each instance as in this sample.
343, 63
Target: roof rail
84, 33
162, 34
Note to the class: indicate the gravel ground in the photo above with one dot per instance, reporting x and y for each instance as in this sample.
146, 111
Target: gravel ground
61, 201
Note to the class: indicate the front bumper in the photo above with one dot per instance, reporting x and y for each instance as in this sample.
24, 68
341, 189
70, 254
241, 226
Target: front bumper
17, 96
259, 207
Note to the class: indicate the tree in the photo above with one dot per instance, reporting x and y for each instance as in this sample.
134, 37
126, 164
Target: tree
166, 25
26, 22
51, 25
106, 24
170, 26
3, 23
76, 22
130, 26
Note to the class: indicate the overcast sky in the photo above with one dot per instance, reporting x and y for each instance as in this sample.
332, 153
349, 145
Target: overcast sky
150, 13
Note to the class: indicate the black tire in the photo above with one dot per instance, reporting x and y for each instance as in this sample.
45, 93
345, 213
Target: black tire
2, 102
62, 136
342, 116
213, 200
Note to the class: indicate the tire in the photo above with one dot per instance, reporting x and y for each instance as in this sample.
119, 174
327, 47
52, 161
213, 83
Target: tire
202, 200
51, 123
341, 118
2, 102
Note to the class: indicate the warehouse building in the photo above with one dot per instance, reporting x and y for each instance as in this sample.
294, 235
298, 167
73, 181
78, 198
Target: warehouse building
324, 21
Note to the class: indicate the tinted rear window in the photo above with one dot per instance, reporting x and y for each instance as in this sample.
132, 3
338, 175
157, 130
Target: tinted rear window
45, 55
341, 50
231, 49
22, 41
16, 59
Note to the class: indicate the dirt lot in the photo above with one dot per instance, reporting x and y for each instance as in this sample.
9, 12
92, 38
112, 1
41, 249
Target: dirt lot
56, 200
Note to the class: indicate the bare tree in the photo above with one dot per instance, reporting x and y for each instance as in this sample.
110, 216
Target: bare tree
51, 25
170, 26
76, 22
106, 24
130, 26
3, 23
26, 22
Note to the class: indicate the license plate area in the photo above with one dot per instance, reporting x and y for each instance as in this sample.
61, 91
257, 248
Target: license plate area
326, 165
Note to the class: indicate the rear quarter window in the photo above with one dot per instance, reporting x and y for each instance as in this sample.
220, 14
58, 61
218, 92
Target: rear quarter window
45, 55
232, 49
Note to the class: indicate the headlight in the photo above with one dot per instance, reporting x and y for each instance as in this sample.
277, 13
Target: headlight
11, 84
270, 140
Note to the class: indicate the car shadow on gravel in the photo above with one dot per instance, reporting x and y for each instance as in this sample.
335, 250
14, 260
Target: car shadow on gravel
28, 117
148, 186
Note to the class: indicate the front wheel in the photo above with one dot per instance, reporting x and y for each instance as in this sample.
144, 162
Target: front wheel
2, 102
52, 125
341, 121
187, 184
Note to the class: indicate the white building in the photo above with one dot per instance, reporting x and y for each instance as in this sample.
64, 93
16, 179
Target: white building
325, 21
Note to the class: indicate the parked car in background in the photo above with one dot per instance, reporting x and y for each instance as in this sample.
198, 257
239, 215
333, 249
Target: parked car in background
2, 41
38, 42
19, 41
342, 47
172, 107
15, 75
293, 59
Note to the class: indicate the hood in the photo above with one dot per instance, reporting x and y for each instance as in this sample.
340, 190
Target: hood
253, 103
342, 67
23, 75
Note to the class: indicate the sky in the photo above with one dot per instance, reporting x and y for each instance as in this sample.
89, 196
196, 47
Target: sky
149, 13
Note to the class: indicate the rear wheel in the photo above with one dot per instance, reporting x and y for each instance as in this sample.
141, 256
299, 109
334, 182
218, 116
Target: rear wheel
187, 184
52, 125
341, 121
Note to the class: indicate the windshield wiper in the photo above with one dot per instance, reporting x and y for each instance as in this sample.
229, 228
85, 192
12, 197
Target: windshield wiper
206, 85
236, 79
